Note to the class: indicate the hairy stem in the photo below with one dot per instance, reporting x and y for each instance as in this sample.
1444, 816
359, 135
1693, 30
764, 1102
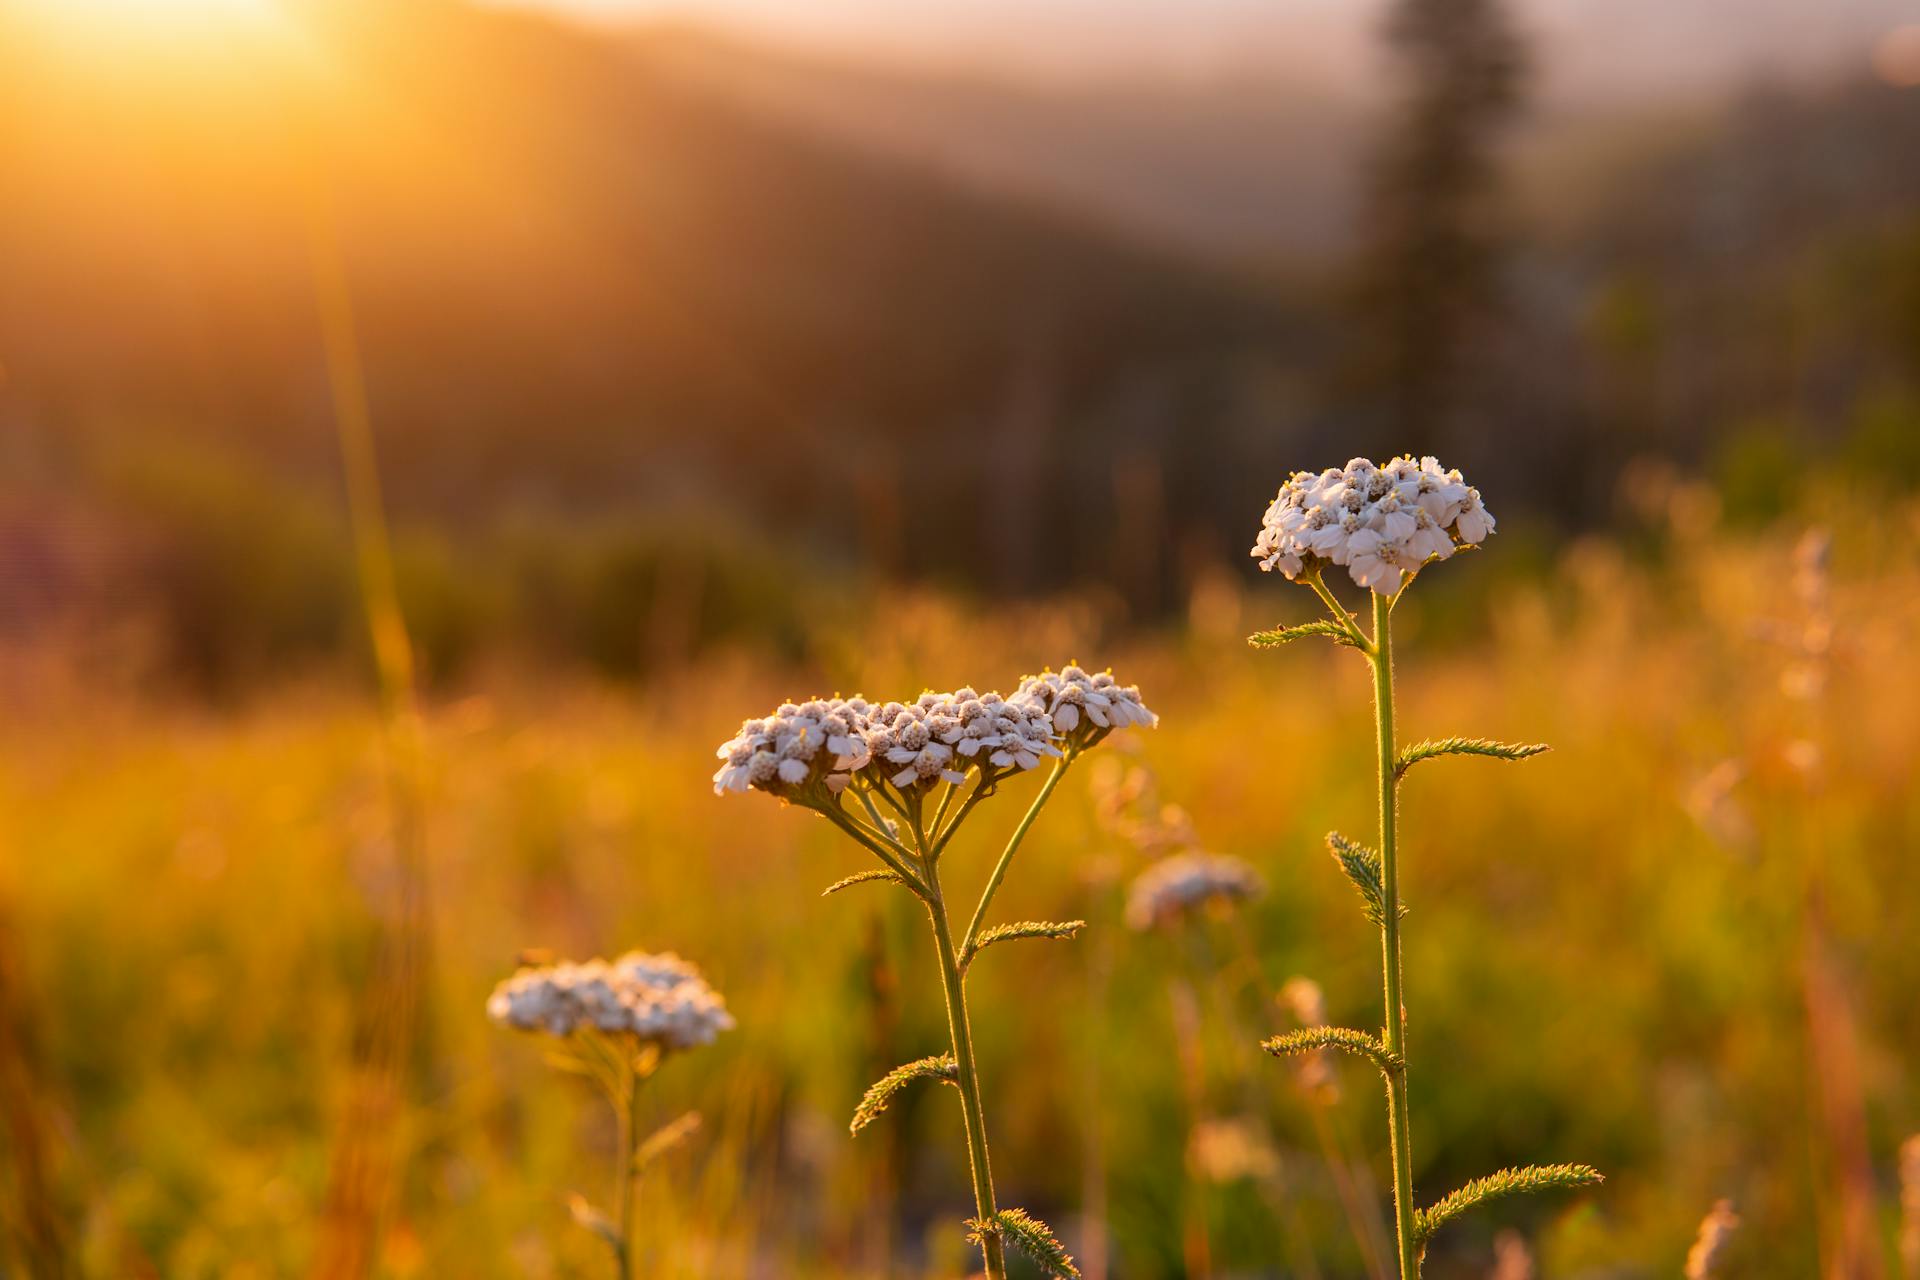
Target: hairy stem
1006, 857
985, 1209
1394, 1023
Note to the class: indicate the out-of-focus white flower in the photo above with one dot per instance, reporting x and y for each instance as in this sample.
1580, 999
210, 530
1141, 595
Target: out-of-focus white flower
1303, 998
1379, 522
660, 999
1228, 1150
1174, 888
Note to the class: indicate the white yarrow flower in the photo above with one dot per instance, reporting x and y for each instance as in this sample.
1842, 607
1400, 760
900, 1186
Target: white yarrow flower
1380, 523
659, 999
1174, 888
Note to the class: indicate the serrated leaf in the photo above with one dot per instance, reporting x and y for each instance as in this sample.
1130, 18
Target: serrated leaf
585, 1215
1311, 1039
1362, 866
880, 1094
1507, 1182
1287, 635
862, 877
1464, 747
1030, 1236
1022, 929
666, 1138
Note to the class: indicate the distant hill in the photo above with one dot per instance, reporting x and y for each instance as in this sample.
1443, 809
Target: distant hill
583, 287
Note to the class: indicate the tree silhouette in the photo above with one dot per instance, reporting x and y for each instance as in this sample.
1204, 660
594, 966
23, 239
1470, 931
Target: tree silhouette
1429, 267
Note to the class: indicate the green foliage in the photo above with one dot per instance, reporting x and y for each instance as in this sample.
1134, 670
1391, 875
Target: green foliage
1464, 747
1287, 635
862, 877
1507, 1182
1030, 1236
879, 1095
1022, 929
1346, 1039
1362, 866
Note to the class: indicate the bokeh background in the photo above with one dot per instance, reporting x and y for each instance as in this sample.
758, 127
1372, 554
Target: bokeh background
427, 428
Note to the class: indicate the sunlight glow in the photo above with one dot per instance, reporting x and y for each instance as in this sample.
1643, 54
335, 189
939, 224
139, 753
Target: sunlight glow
149, 27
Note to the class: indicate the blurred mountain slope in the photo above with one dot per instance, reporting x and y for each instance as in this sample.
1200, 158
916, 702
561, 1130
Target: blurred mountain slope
579, 286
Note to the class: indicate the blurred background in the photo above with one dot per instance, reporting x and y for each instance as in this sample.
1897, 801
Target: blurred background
427, 428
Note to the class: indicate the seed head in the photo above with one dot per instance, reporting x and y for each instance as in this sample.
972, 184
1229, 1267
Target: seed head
658, 999
1378, 522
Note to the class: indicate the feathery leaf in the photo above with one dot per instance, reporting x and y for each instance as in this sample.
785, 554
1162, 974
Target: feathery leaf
1362, 866
1309, 1039
880, 1095
1287, 635
1464, 747
666, 1138
861, 877
1030, 1236
1507, 1182
1022, 929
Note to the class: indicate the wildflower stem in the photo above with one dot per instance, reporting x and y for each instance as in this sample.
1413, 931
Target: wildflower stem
629, 1116
968, 1078
1006, 857
1394, 1022
1340, 615
878, 849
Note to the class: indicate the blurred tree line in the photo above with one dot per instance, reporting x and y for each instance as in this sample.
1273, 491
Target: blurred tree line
652, 374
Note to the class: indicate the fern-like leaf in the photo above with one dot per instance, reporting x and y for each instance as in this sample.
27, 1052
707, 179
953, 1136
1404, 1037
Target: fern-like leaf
1023, 929
1287, 635
1362, 866
1464, 747
880, 1095
1030, 1236
1507, 1182
861, 877
1311, 1039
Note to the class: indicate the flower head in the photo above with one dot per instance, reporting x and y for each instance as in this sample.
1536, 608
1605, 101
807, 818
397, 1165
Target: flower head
658, 999
1083, 708
1380, 523
1175, 888
808, 752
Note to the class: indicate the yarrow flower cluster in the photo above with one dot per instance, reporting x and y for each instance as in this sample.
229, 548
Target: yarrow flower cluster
660, 999
1174, 888
1084, 707
1378, 522
937, 738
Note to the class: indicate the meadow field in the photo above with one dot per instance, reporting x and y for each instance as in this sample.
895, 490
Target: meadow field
1679, 946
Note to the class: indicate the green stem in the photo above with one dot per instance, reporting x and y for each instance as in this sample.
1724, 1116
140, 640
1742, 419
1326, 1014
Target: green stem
1339, 612
629, 1114
895, 864
985, 1209
1394, 1028
1006, 856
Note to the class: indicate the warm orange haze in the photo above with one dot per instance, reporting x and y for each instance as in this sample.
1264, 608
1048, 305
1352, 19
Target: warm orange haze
628, 645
